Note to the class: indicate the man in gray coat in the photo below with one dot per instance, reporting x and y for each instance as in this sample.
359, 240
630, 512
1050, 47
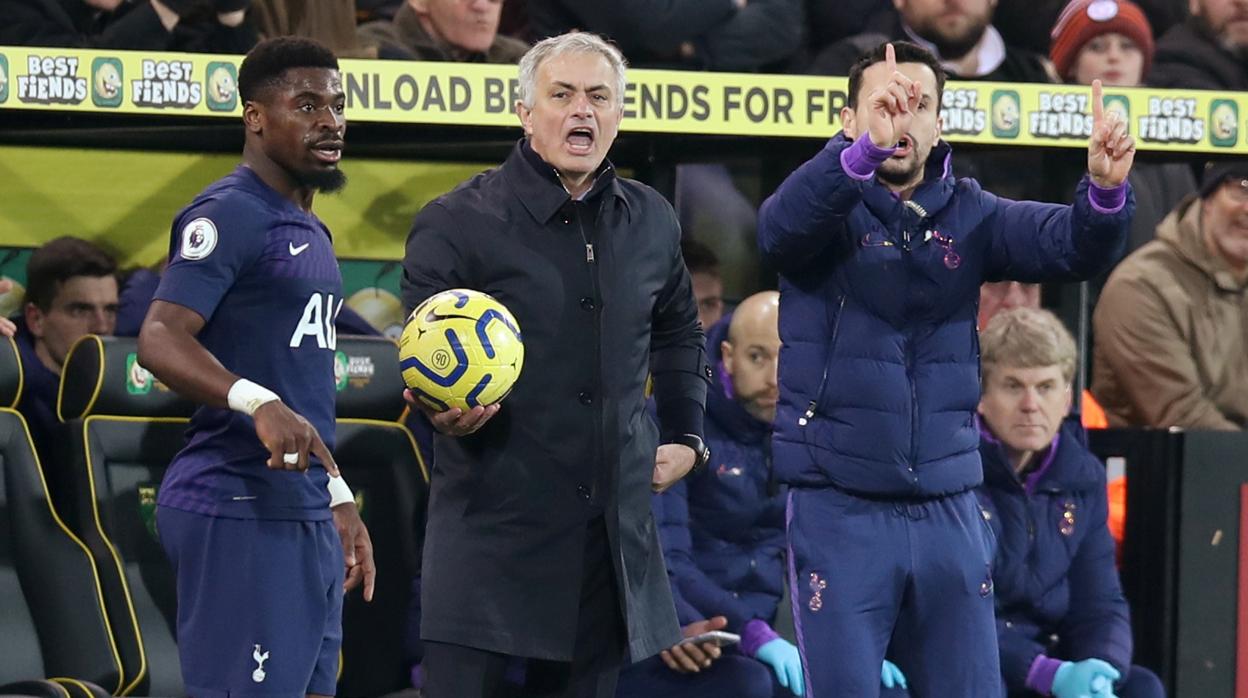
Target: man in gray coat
540, 542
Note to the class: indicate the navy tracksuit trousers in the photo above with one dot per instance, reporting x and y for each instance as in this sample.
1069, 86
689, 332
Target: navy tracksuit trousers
909, 577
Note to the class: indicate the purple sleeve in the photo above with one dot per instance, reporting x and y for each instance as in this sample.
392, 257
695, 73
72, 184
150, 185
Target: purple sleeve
754, 635
862, 158
1040, 677
1109, 200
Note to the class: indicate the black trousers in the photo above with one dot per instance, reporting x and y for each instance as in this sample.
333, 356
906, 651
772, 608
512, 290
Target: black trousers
457, 671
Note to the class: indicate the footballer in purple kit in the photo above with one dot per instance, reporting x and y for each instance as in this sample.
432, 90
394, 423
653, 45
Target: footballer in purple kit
258, 523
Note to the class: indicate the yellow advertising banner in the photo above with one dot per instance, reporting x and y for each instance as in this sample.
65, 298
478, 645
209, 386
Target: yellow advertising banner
673, 102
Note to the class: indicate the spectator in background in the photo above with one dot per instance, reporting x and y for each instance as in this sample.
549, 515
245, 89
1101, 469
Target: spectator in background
833, 20
71, 291
1062, 620
737, 35
1171, 324
213, 26
8, 328
708, 288
1111, 41
1207, 52
960, 35
329, 22
444, 30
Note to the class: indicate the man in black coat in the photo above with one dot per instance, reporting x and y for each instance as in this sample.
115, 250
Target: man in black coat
540, 541
216, 26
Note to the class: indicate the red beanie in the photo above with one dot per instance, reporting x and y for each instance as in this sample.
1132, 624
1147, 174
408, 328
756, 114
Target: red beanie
1084, 20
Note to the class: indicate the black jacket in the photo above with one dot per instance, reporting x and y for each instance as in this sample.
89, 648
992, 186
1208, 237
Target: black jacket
1189, 57
509, 504
133, 25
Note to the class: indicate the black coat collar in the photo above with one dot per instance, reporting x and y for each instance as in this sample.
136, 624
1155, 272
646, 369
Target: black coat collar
538, 187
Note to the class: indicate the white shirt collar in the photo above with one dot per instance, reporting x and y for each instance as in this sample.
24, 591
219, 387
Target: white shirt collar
989, 54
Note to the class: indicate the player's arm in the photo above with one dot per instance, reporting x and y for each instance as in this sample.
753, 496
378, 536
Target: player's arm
678, 365
169, 349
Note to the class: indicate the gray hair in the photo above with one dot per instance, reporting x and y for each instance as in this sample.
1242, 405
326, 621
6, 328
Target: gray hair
1027, 338
572, 42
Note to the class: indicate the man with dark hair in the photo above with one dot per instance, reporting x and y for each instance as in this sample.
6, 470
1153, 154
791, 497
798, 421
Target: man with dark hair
243, 323
708, 287
71, 291
881, 254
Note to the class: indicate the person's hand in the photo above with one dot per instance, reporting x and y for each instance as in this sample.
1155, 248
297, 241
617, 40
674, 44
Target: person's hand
690, 658
454, 422
671, 462
785, 662
290, 438
7, 327
1090, 678
1111, 150
357, 549
891, 107
891, 676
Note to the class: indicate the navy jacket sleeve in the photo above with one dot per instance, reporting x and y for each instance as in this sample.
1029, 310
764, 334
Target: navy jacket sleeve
689, 585
433, 260
1034, 242
677, 348
1018, 651
1098, 623
808, 210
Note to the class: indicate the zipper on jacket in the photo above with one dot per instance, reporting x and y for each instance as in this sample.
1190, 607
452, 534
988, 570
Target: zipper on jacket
591, 265
814, 402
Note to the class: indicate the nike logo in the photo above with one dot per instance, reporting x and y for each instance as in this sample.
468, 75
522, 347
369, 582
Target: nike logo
295, 251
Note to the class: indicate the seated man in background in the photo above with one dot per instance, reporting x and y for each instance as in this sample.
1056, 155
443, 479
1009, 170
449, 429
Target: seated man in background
71, 291
1063, 624
1172, 320
444, 30
708, 286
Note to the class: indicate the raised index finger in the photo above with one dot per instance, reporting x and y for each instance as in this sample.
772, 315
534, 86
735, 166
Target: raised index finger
1098, 106
890, 58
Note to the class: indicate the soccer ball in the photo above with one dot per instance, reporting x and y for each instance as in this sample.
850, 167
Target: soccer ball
460, 348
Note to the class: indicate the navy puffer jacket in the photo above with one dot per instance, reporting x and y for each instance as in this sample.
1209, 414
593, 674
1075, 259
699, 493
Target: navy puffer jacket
879, 372
1057, 588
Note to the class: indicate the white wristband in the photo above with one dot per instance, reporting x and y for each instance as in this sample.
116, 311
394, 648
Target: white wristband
339, 493
247, 397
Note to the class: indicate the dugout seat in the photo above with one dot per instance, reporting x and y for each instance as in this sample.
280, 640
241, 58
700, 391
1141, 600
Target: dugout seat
53, 622
125, 427
380, 460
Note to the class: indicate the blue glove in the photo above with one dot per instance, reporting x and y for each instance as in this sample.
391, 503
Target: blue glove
891, 676
784, 660
1090, 678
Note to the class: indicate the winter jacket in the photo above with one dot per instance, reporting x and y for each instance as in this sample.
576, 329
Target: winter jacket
1191, 58
734, 513
1056, 585
1172, 334
405, 39
602, 298
879, 369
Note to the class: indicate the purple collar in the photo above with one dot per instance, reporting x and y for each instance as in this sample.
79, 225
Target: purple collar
1033, 478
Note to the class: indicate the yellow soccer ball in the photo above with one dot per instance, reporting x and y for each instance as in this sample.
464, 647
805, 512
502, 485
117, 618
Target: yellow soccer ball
460, 348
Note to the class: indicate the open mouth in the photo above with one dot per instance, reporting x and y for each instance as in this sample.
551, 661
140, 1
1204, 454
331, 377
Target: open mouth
328, 151
580, 140
904, 147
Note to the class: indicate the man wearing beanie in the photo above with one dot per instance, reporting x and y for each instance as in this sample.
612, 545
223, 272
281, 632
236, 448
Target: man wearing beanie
1171, 323
1106, 39
1111, 41
1207, 52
